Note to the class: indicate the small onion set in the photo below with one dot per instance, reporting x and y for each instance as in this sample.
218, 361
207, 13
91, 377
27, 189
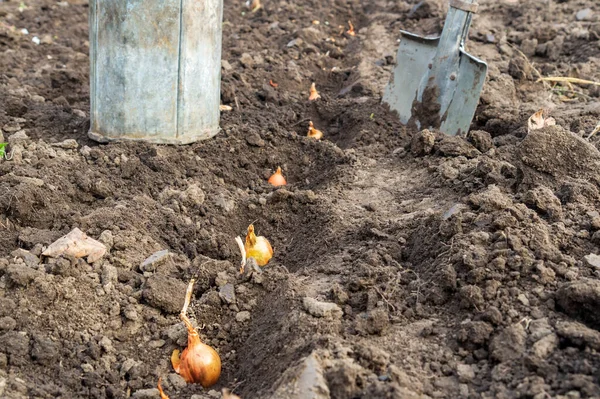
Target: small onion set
277, 178
198, 363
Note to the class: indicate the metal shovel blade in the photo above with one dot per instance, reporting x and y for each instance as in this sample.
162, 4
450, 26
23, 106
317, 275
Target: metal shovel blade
436, 84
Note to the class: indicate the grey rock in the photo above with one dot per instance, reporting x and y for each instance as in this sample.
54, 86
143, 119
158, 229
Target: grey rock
176, 381
30, 259
151, 393
192, 196
455, 146
592, 260
21, 275
227, 293
106, 238
130, 313
153, 261
225, 203
585, 14
110, 274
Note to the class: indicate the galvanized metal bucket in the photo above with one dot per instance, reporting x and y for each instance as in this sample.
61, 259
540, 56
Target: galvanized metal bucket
155, 70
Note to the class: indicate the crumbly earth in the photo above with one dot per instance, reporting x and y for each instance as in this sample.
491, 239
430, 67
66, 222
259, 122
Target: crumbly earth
407, 264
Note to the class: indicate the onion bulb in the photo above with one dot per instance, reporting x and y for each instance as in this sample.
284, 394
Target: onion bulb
314, 133
198, 363
277, 178
258, 248
163, 395
314, 94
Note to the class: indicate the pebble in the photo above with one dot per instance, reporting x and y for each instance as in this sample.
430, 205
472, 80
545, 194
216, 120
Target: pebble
242, 316
584, 15
592, 260
79, 113
155, 260
151, 393
30, 259
176, 381
227, 293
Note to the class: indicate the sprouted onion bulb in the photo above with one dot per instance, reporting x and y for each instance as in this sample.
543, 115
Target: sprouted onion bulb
198, 363
277, 178
314, 94
258, 248
314, 133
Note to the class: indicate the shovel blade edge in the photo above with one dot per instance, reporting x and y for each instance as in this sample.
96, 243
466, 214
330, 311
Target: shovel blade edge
415, 53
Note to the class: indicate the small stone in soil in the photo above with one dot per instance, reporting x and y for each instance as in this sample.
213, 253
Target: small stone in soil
151, 393
155, 260
227, 293
584, 15
30, 259
592, 260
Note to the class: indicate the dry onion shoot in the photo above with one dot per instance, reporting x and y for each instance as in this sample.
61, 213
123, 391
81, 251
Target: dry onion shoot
198, 363
163, 395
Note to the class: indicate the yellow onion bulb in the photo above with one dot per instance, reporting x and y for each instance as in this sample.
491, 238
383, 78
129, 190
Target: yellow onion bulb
198, 363
258, 248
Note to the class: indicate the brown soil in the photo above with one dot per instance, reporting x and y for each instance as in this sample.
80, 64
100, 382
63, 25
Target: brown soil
458, 266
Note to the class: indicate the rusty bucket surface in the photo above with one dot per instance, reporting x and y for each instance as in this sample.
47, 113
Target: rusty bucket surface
155, 70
